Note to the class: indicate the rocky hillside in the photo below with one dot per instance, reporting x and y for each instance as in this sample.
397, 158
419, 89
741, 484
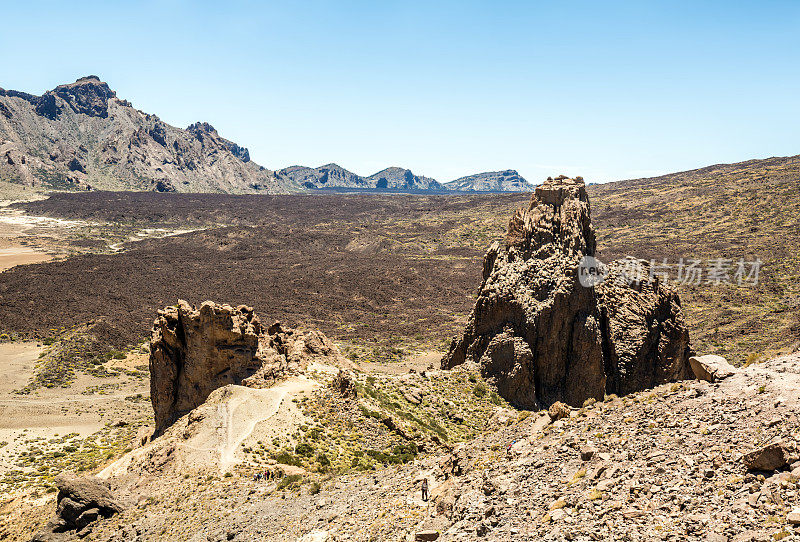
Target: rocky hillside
491, 181
735, 211
332, 455
80, 136
694, 460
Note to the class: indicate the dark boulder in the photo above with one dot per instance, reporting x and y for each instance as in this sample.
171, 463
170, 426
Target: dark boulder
81, 501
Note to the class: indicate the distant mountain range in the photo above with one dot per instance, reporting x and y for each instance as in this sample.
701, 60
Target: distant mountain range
335, 177
80, 136
491, 181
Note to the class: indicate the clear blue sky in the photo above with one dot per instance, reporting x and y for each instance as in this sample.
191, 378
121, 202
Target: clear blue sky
607, 90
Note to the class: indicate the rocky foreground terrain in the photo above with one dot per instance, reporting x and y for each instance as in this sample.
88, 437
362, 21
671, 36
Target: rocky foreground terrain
669, 463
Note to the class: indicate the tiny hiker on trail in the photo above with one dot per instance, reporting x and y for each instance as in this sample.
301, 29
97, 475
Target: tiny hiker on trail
424, 489
508, 450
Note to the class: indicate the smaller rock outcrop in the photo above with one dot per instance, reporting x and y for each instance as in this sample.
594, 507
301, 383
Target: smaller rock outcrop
711, 367
194, 351
81, 501
345, 383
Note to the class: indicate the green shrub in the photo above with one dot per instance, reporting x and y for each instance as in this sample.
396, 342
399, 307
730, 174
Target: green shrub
287, 458
289, 481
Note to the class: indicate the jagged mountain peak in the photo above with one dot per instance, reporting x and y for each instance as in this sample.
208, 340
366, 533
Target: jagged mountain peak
201, 126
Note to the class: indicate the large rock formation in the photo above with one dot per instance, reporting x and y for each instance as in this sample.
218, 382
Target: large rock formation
81, 501
544, 337
195, 351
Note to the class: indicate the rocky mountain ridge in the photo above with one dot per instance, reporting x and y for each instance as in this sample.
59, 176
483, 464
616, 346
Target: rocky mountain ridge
333, 177
80, 136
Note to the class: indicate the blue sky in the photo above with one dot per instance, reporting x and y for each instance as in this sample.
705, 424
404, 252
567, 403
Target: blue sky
607, 90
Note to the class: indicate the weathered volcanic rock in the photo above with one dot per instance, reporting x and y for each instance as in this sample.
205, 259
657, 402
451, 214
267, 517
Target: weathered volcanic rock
534, 328
80, 502
195, 351
543, 337
771, 457
711, 368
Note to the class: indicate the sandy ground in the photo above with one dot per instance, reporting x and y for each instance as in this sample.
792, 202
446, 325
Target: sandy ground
20, 255
17, 229
420, 361
50, 413
233, 417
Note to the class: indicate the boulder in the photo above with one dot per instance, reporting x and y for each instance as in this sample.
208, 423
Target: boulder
588, 452
541, 333
80, 502
558, 410
422, 536
711, 367
195, 351
771, 457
